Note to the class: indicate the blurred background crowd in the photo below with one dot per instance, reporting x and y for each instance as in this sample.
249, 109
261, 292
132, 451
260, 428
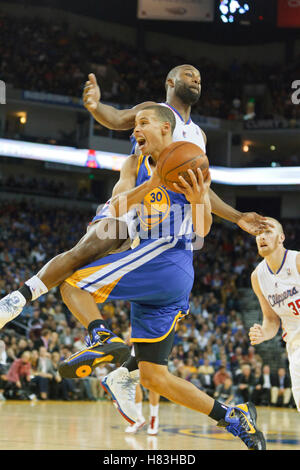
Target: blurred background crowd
211, 348
41, 56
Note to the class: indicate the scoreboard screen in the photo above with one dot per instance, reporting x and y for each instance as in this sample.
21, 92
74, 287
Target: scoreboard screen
246, 11
231, 11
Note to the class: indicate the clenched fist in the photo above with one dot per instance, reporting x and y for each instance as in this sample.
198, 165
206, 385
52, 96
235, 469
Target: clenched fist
256, 334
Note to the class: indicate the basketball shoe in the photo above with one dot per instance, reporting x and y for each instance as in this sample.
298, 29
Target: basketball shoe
121, 385
134, 428
102, 346
240, 421
10, 307
153, 426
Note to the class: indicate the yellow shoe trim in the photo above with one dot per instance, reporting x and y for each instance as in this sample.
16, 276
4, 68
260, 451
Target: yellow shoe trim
117, 340
107, 358
82, 352
244, 407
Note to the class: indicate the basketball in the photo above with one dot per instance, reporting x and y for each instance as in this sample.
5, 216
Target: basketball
176, 159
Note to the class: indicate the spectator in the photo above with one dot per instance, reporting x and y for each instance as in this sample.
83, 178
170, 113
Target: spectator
43, 340
55, 385
224, 392
206, 374
244, 383
220, 376
44, 374
266, 385
281, 392
98, 375
258, 379
19, 378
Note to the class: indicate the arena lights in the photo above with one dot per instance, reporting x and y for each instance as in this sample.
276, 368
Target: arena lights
111, 161
231, 9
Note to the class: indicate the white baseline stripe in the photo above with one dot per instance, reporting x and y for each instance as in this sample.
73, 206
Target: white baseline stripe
127, 259
126, 269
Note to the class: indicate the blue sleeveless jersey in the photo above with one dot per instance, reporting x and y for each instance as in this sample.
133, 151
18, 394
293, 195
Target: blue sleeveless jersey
164, 214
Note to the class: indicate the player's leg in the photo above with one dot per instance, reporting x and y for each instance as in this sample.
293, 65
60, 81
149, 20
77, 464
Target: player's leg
133, 428
105, 346
102, 237
152, 358
294, 368
239, 420
154, 409
122, 384
89, 248
124, 275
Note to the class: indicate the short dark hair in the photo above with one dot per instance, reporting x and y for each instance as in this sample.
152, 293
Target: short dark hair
164, 114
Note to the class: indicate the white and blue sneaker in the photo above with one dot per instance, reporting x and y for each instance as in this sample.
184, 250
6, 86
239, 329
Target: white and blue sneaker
121, 385
11, 306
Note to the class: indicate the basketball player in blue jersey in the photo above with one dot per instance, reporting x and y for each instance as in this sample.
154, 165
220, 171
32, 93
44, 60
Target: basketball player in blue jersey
276, 283
156, 276
183, 88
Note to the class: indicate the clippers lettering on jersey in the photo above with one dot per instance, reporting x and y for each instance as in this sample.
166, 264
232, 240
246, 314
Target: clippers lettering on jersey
277, 299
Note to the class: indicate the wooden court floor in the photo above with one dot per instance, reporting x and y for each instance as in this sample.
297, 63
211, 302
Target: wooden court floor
54, 425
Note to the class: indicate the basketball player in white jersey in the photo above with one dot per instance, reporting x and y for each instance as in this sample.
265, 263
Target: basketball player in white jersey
276, 283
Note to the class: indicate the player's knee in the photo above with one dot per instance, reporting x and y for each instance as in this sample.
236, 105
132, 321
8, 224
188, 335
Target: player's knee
152, 380
93, 246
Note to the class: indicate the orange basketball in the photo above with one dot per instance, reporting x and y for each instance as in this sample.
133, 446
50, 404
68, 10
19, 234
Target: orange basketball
176, 159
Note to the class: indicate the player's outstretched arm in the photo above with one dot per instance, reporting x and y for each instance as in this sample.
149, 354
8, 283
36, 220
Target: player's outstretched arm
251, 222
271, 321
108, 116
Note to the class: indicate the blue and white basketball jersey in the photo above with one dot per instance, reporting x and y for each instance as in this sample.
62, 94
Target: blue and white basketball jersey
164, 214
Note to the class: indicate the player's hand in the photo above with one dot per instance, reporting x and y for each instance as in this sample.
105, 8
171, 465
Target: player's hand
254, 223
256, 334
195, 189
91, 93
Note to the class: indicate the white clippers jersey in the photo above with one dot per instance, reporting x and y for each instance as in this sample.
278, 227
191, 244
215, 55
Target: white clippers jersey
282, 291
188, 131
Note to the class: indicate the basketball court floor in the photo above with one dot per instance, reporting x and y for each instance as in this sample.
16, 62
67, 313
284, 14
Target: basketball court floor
54, 425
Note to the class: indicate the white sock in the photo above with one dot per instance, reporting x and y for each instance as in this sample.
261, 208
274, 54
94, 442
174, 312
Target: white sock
37, 287
154, 410
139, 407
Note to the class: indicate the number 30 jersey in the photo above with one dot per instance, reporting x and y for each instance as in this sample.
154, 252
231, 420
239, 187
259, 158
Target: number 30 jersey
282, 292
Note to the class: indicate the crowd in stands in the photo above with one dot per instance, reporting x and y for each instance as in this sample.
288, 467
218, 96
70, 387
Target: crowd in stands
45, 186
38, 55
211, 348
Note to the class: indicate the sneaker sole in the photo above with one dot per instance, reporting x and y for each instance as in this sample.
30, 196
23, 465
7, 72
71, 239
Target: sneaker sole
137, 429
82, 363
115, 401
152, 433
